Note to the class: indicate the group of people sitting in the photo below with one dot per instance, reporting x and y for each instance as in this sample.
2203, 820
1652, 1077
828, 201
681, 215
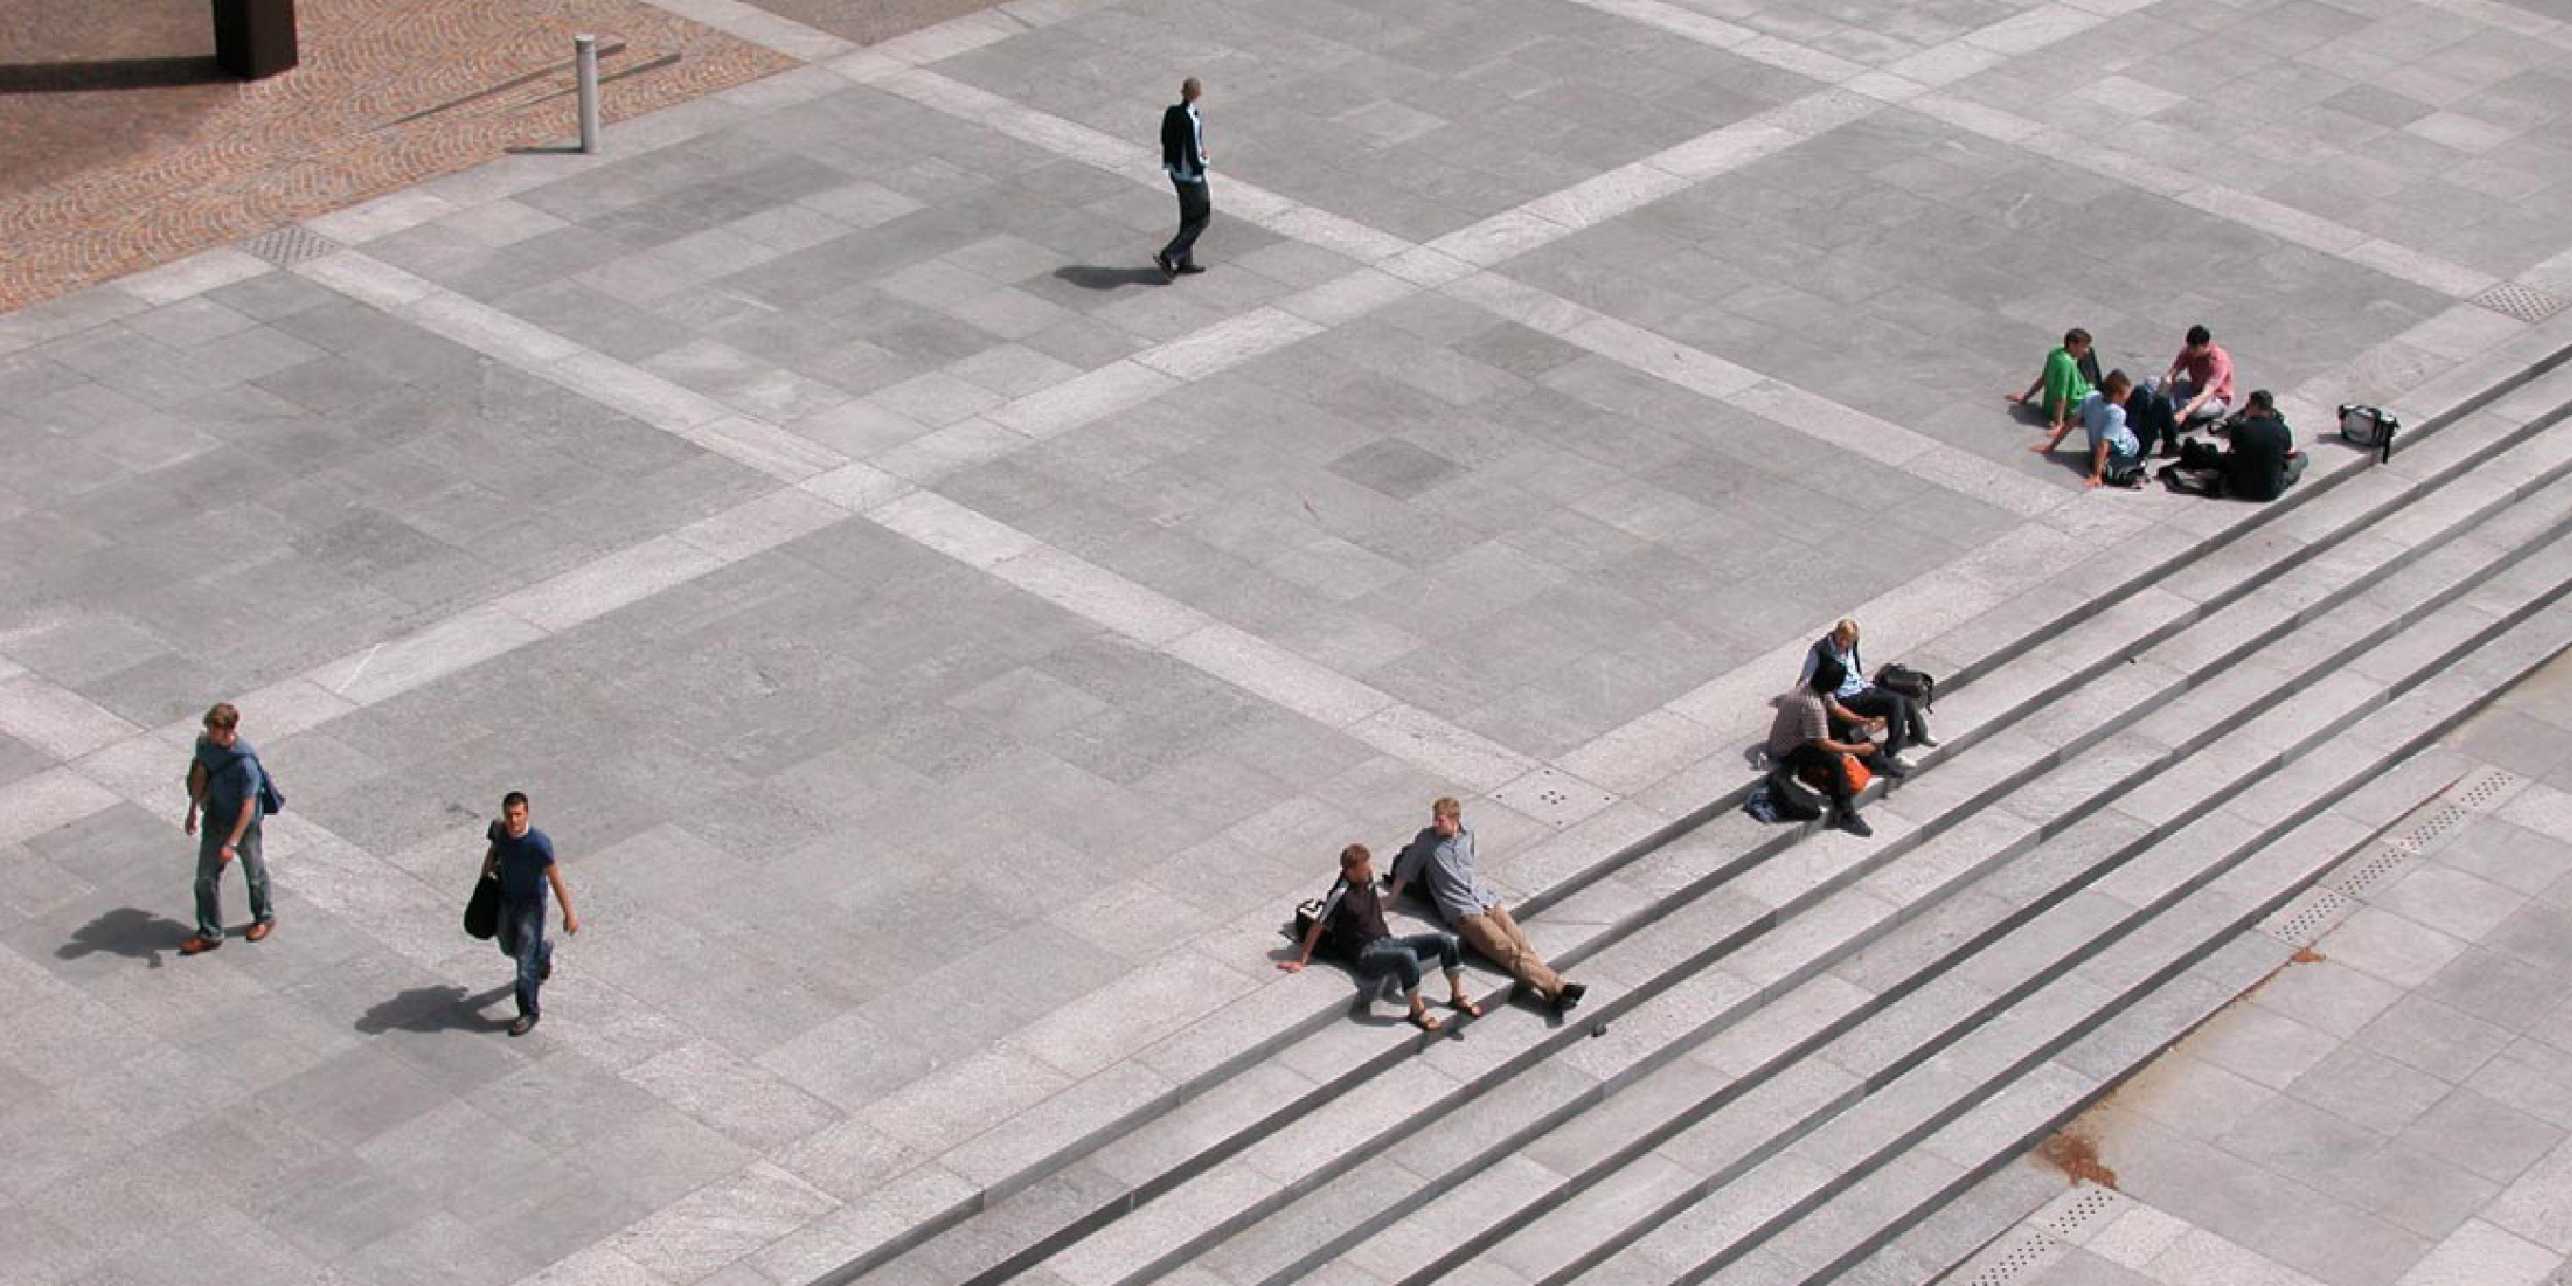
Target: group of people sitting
1350, 922
1830, 718
2125, 422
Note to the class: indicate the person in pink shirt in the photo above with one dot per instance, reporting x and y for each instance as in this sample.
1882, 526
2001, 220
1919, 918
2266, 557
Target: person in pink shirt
2200, 381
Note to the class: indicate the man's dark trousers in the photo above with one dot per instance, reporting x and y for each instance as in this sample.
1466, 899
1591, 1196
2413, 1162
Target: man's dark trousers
1827, 763
1902, 722
1196, 210
522, 938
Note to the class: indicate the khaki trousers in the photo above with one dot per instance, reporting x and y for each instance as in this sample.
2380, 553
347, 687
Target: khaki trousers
1502, 942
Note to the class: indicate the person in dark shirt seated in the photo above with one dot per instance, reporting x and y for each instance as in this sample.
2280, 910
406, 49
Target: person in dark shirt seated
2262, 461
1353, 918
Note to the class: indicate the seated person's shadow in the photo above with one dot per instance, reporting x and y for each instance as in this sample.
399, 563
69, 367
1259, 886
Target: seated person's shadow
131, 932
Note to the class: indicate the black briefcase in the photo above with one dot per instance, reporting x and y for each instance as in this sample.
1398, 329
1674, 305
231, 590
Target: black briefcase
482, 910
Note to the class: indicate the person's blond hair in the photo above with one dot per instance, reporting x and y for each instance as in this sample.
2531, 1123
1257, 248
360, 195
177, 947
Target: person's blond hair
222, 717
1446, 806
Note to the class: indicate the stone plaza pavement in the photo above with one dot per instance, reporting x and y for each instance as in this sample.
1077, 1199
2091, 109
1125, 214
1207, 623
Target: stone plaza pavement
2389, 1108
943, 652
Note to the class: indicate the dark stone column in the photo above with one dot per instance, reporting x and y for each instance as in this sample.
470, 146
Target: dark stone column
254, 38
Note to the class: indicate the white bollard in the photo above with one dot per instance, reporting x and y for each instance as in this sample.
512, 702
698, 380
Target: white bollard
585, 50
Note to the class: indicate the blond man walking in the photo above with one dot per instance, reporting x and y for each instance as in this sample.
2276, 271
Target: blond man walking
1443, 856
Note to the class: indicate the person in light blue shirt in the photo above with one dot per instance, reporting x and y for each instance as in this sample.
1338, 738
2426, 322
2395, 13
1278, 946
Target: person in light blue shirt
1858, 708
2115, 455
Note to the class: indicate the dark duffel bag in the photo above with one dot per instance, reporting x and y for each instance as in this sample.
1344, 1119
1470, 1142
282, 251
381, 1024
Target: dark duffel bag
482, 910
1903, 681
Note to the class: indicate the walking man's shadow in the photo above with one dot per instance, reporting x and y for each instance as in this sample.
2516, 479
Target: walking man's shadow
434, 1009
1092, 277
127, 931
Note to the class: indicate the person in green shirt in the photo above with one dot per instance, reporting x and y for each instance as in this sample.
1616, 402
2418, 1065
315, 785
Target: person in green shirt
2070, 373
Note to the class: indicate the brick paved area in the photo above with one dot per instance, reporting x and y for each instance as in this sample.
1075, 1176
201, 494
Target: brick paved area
102, 182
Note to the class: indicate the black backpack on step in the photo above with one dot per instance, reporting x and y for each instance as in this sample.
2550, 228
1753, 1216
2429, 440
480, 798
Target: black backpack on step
1903, 681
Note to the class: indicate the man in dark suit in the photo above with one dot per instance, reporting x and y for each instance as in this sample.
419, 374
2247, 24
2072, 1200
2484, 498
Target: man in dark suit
1183, 154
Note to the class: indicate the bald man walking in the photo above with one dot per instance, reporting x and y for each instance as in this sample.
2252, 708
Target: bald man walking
1183, 154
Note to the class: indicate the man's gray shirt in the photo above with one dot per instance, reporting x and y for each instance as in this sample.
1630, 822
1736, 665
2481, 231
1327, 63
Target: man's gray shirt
1446, 864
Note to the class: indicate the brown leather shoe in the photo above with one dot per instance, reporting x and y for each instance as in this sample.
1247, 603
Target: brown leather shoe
261, 930
199, 946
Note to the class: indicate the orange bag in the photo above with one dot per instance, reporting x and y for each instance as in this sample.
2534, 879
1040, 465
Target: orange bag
1857, 771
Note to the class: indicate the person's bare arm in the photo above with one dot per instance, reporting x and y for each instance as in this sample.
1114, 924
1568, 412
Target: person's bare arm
1852, 717
563, 898
196, 793
2099, 463
240, 826
1304, 956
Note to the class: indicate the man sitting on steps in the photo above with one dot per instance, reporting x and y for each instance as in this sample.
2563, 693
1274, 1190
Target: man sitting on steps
1353, 916
1858, 707
2116, 458
1800, 738
1442, 855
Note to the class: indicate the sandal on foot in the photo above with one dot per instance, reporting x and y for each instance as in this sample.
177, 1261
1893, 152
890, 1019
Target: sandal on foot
1465, 1005
1426, 1021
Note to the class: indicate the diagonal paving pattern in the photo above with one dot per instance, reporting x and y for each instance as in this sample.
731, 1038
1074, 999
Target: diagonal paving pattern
1307, 629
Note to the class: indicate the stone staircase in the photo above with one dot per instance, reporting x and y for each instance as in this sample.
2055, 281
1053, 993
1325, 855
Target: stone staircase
1800, 1044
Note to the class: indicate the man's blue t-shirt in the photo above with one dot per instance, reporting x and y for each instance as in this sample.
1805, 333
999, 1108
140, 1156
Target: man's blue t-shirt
523, 863
231, 776
2104, 421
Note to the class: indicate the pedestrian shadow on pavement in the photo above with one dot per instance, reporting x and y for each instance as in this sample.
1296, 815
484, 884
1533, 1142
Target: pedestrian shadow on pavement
1093, 277
111, 73
127, 931
434, 1009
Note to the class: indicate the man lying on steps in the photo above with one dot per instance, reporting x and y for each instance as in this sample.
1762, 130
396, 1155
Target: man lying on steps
1442, 855
1353, 916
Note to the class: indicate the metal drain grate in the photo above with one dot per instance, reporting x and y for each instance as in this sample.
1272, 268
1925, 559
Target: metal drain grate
2428, 827
2526, 303
1555, 798
2371, 870
2020, 1252
2487, 789
2082, 1211
289, 244
2308, 916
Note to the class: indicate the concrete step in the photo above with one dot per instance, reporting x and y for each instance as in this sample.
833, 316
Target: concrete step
1820, 1196
1877, 1011
1676, 1014
1039, 1198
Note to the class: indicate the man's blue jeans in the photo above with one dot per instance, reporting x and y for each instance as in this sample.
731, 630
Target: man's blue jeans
209, 876
1399, 958
522, 938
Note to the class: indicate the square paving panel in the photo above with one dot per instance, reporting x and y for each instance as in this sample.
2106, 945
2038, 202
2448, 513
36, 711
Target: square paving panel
1394, 467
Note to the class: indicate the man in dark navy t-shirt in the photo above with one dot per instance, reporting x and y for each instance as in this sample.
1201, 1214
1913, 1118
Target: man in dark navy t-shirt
523, 858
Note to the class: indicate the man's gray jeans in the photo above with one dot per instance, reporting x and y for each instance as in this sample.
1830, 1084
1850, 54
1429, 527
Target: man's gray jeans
209, 876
